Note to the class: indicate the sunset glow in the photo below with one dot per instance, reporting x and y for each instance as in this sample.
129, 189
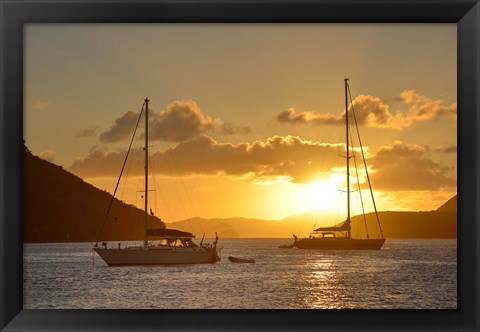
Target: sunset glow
247, 120
318, 195
239, 166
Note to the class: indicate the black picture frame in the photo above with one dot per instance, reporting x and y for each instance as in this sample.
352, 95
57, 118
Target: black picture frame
14, 14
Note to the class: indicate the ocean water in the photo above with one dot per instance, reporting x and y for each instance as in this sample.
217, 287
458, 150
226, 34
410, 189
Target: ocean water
407, 274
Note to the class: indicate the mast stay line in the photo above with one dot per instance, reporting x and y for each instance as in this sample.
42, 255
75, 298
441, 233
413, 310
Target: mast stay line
364, 163
120, 176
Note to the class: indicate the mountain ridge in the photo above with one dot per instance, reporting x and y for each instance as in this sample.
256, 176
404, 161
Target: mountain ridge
449, 206
439, 223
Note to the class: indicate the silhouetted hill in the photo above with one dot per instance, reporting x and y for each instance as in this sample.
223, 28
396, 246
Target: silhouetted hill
227, 227
441, 223
255, 228
61, 207
449, 206
424, 224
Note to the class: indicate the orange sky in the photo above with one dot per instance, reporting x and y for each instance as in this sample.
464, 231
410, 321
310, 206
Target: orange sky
247, 119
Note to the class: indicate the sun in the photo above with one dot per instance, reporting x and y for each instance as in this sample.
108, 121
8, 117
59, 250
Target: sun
318, 195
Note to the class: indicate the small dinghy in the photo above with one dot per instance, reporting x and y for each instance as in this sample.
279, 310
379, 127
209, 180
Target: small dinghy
286, 246
240, 260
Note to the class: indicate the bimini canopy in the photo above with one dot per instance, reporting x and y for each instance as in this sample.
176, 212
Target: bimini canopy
168, 232
344, 227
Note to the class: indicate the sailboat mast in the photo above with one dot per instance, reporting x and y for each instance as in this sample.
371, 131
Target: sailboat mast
348, 152
145, 226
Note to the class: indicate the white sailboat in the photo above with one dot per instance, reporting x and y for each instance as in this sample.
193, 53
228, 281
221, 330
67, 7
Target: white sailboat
169, 247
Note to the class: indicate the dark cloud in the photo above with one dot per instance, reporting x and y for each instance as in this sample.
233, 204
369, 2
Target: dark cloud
369, 111
396, 167
424, 108
445, 149
231, 129
122, 128
278, 157
88, 132
450, 149
291, 116
182, 120
374, 112
405, 167
100, 163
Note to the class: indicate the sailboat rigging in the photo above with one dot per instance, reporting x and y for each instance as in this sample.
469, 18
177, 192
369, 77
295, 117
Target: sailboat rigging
326, 237
173, 246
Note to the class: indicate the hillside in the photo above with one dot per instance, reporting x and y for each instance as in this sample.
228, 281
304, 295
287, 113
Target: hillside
254, 228
424, 224
449, 206
441, 223
61, 207
229, 227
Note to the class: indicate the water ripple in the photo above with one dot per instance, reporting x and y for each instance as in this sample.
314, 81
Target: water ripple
407, 274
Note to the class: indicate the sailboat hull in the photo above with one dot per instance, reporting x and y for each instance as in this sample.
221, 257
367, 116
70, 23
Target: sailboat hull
339, 244
156, 256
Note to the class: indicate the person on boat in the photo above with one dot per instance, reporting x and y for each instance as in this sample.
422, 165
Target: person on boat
216, 240
189, 243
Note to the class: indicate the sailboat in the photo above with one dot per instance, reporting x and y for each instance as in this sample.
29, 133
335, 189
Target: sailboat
339, 237
170, 246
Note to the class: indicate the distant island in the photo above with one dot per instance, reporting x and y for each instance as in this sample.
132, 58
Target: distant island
440, 223
61, 207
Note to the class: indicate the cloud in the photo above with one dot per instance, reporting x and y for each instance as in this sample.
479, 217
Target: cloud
445, 148
395, 167
375, 113
48, 155
449, 149
100, 163
231, 129
278, 158
369, 111
423, 108
291, 116
182, 120
41, 105
122, 128
87, 132
405, 167
287, 158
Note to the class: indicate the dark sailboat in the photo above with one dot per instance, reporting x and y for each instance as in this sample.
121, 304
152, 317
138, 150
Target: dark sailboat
339, 237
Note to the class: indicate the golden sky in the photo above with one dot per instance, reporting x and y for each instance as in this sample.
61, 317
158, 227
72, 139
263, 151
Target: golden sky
247, 119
